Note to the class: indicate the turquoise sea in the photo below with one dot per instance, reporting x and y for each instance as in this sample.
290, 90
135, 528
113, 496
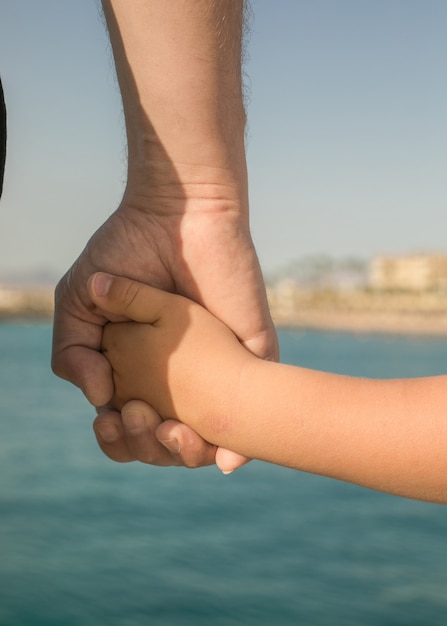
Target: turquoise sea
86, 542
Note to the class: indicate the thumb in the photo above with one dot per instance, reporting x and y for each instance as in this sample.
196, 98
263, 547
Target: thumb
128, 298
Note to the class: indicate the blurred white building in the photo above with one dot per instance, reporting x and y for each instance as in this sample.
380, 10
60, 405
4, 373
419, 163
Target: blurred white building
415, 272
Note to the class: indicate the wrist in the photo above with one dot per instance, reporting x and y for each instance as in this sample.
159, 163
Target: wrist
245, 416
162, 187
182, 160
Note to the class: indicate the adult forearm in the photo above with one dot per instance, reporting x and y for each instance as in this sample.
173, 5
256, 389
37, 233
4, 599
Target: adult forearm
179, 67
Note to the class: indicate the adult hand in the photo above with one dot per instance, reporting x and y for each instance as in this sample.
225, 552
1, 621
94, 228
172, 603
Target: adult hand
204, 254
183, 223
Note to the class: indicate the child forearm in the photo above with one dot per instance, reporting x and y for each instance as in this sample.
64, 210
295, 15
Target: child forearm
389, 435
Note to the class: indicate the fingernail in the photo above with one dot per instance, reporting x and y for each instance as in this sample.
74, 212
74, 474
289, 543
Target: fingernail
109, 433
226, 472
101, 284
134, 422
172, 445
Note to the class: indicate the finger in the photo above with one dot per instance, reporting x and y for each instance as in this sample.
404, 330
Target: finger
75, 356
162, 444
122, 442
264, 345
185, 444
109, 432
140, 422
228, 461
122, 296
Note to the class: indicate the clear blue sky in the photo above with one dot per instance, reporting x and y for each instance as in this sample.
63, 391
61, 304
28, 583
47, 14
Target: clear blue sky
347, 140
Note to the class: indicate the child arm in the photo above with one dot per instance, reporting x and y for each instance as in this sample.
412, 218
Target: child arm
389, 435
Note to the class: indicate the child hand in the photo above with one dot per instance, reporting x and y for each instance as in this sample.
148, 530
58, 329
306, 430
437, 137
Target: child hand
177, 357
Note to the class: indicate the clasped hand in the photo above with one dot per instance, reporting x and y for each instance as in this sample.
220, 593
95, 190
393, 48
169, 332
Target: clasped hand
217, 268
176, 356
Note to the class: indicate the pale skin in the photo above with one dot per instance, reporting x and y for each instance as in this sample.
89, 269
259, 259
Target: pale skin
182, 224
388, 435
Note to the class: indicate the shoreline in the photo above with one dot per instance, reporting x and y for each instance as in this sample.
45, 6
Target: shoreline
352, 312
361, 311
333, 321
24, 305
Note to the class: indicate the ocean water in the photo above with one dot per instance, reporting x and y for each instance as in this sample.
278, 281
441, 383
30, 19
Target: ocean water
86, 542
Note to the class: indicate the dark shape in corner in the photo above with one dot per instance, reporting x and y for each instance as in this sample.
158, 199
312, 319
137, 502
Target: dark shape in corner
2, 136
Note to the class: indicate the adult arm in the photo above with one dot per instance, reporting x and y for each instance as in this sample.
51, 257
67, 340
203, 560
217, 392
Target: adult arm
183, 222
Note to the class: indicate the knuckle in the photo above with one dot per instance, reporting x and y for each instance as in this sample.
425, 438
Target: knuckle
128, 294
57, 366
192, 463
149, 459
60, 290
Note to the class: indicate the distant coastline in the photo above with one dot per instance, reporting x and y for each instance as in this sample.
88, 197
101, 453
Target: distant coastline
32, 303
358, 311
364, 323
362, 311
